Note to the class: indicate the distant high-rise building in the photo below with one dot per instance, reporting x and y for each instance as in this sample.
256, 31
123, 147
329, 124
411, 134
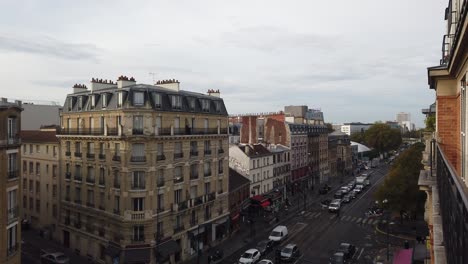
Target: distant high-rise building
402, 117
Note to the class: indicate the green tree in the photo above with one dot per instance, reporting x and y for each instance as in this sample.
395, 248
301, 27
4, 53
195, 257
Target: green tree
400, 186
430, 122
382, 137
358, 137
329, 127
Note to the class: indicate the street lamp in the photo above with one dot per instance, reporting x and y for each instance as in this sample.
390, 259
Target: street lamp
385, 202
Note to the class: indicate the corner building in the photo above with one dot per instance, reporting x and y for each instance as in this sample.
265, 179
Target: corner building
145, 171
10, 191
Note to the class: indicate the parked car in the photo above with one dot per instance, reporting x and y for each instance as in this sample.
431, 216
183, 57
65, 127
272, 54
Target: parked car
279, 234
344, 189
353, 194
338, 258
54, 258
324, 189
338, 195
264, 246
334, 205
346, 198
358, 189
251, 256
348, 250
325, 203
290, 252
265, 261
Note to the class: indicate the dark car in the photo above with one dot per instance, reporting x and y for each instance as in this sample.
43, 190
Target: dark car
325, 203
290, 252
338, 258
264, 246
346, 198
324, 189
347, 249
338, 195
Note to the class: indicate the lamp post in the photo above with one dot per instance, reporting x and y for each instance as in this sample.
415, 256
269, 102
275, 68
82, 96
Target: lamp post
384, 202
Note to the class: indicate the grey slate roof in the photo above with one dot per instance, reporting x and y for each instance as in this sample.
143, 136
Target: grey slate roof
148, 90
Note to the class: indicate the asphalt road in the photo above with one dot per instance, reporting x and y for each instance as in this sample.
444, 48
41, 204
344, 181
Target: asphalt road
318, 233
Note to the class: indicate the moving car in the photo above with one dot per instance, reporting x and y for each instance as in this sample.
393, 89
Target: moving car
265, 261
358, 189
346, 198
251, 256
338, 195
347, 249
279, 234
338, 258
334, 205
290, 252
344, 189
325, 203
353, 194
264, 246
54, 258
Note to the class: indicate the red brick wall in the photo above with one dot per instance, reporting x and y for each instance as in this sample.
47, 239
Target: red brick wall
273, 129
448, 128
249, 126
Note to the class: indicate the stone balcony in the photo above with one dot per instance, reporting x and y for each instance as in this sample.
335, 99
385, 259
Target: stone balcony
137, 215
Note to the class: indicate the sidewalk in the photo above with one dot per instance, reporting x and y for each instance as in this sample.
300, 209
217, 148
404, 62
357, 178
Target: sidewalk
244, 238
409, 230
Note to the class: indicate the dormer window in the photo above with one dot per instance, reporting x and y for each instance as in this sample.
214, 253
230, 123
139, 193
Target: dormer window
205, 105
104, 100
120, 99
217, 106
157, 100
138, 99
70, 103
176, 102
192, 103
93, 101
80, 103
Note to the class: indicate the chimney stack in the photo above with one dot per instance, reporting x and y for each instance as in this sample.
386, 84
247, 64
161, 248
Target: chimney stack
124, 81
99, 84
215, 93
78, 88
173, 84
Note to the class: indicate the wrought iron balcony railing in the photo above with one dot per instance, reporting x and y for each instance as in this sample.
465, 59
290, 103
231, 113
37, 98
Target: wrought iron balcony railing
453, 197
138, 159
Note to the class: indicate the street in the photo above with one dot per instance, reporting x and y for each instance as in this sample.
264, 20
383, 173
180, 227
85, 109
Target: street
318, 233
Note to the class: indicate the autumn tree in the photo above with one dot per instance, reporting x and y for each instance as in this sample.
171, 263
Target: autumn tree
382, 137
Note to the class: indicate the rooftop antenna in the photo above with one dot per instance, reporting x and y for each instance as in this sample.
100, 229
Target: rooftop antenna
153, 74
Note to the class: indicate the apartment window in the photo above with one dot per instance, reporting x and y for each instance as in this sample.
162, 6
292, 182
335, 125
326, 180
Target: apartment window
91, 148
54, 190
217, 106
38, 149
68, 146
220, 186
90, 198
47, 169
207, 145
77, 147
80, 103
193, 192
207, 188
138, 98
12, 243
31, 203
90, 178
38, 186
157, 100
158, 125
47, 149
178, 150
12, 205
160, 150
31, 167
25, 202
38, 168
207, 212
205, 124
78, 172
116, 179
102, 198
101, 148
138, 180
117, 150
193, 148
160, 177
12, 167
207, 168
104, 100
176, 102
194, 171
220, 167
24, 148
119, 99
178, 222
159, 230
25, 183
178, 177
117, 204
138, 233
205, 104
38, 206
54, 211
160, 202
67, 192
192, 103
177, 196
138, 125
78, 194
138, 204
138, 152
12, 128
102, 175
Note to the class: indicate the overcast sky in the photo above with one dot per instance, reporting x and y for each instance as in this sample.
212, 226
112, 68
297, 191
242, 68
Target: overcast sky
357, 60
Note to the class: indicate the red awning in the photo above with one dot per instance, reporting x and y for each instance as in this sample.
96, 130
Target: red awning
258, 198
235, 217
265, 204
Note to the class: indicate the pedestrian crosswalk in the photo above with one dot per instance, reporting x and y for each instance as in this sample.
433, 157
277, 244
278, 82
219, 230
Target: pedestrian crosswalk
346, 218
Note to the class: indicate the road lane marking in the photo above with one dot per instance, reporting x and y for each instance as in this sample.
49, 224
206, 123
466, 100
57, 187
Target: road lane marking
354, 219
370, 222
317, 214
359, 220
345, 218
308, 213
376, 221
384, 221
364, 222
359, 256
332, 217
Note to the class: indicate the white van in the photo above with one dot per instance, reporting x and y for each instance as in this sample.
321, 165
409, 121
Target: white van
278, 234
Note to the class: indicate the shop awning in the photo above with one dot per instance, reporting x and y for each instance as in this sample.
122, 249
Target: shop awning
258, 198
235, 217
137, 255
167, 248
265, 204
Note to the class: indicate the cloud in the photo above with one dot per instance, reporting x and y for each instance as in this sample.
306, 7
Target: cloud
272, 39
48, 46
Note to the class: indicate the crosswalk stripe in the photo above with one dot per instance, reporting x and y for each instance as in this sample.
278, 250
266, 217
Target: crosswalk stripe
354, 219
332, 217
317, 214
308, 213
376, 222
364, 222
384, 221
370, 222
359, 220
347, 218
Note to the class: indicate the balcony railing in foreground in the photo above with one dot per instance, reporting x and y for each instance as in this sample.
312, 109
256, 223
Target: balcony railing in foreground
453, 197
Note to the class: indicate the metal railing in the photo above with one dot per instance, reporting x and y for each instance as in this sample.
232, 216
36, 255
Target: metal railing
137, 131
12, 213
78, 154
10, 141
453, 197
178, 155
116, 158
160, 157
12, 249
90, 155
193, 153
13, 174
138, 159
102, 156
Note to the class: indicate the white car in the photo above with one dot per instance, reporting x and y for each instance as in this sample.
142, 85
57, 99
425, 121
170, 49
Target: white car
55, 258
265, 261
250, 256
334, 205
